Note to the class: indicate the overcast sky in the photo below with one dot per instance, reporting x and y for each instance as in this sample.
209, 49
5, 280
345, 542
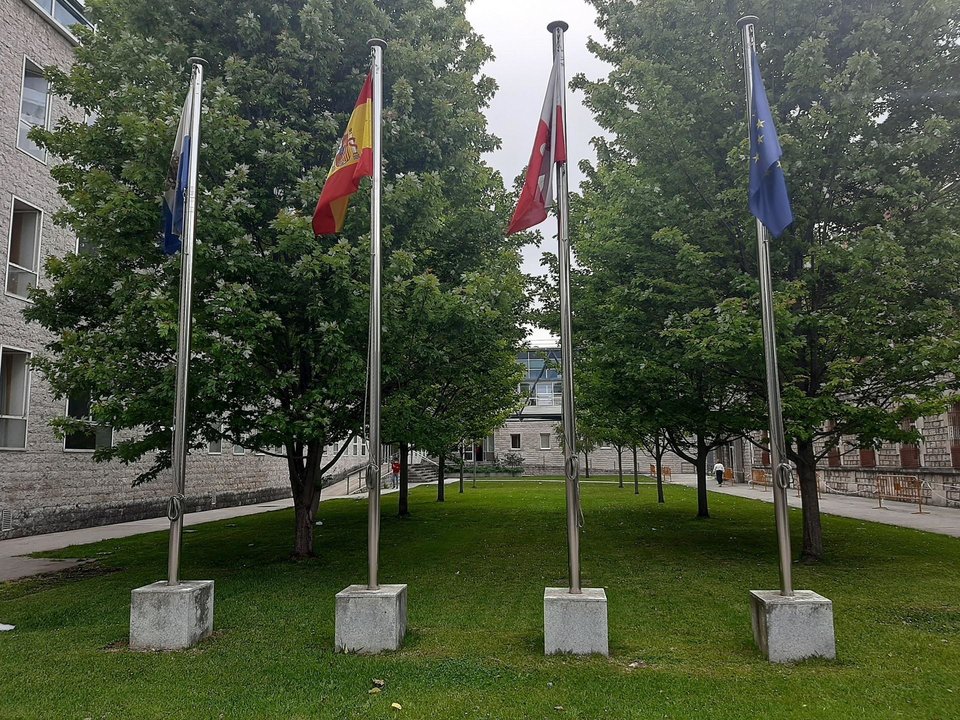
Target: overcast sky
517, 32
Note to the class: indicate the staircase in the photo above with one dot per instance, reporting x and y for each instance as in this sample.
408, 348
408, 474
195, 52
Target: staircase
422, 473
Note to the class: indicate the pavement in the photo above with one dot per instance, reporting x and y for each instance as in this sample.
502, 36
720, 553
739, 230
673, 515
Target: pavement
935, 519
15, 563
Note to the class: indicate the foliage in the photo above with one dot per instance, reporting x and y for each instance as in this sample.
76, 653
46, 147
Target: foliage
280, 323
867, 294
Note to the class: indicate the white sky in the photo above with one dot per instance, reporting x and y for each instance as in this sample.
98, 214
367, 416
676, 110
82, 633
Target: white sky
517, 32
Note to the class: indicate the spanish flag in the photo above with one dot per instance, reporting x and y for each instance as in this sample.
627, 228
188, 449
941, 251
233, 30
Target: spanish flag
354, 160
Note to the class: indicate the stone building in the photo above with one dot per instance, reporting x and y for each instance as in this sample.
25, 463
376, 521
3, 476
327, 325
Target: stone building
851, 470
48, 483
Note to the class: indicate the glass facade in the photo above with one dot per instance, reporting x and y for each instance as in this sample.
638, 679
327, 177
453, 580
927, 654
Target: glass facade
541, 382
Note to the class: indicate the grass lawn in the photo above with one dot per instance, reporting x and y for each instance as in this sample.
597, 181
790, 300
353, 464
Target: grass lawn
476, 566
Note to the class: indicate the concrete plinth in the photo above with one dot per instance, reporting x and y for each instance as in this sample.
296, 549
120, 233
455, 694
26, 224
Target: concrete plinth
370, 621
787, 629
165, 617
575, 624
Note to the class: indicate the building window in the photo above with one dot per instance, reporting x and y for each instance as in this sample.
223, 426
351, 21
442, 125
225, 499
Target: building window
544, 441
765, 451
34, 109
14, 398
909, 452
953, 423
23, 256
833, 457
97, 436
238, 449
215, 447
514, 441
868, 458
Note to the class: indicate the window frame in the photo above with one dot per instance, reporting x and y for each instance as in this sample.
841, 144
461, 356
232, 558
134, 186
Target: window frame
549, 445
26, 399
519, 444
219, 442
14, 199
48, 109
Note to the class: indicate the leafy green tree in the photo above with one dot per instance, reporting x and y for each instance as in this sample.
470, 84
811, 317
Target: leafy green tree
866, 278
280, 316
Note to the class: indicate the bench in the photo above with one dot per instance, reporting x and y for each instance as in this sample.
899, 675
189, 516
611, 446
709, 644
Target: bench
728, 475
760, 477
905, 488
667, 473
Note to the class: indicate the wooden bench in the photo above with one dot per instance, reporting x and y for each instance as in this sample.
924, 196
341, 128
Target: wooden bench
667, 473
728, 475
760, 477
905, 488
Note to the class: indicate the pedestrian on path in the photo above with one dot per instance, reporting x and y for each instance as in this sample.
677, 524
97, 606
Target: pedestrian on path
718, 470
395, 473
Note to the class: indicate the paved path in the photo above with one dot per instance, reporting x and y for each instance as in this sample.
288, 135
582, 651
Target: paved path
14, 564
935, 519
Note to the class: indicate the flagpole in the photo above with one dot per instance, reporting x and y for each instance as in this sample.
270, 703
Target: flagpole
781, 469
373, 469
570, 458
175, 505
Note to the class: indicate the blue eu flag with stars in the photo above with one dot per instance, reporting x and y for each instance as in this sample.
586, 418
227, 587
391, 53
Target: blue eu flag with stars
768, 188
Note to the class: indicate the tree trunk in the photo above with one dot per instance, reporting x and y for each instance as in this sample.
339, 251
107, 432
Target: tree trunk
461, 468
812, 550
404, 510
303, 482
636, 475
440, 467
659, 460
620, 463
702, 509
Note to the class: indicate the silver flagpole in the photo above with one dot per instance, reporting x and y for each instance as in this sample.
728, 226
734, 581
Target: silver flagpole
571, 461
175, 505
373, 469
777, 443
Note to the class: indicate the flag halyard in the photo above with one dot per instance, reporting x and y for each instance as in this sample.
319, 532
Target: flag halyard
353, 161
769, 201
549, 149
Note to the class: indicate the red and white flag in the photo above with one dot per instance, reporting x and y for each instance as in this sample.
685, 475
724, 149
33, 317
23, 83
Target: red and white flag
549, 149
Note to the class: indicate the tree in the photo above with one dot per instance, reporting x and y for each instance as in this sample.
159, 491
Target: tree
867, 297
281, 317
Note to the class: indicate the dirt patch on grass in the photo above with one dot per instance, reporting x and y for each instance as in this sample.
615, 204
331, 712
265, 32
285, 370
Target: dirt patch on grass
84, 570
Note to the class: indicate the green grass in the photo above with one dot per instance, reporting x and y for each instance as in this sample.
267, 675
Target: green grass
476, 566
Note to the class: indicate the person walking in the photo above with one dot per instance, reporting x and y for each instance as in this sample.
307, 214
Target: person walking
395, 473
718, 471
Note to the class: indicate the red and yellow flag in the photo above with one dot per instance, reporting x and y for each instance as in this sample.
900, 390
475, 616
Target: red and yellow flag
354, 160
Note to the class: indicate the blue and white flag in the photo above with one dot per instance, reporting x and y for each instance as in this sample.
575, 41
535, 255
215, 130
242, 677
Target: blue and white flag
769, 201
175, 188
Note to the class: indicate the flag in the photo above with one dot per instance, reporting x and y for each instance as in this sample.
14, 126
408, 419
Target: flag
769, 201
354, 160
175, 187
549, 149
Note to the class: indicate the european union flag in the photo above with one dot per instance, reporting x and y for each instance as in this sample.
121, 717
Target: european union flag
768, 189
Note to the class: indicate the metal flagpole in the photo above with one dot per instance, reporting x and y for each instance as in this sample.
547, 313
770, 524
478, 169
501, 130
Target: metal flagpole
571, 461
373, 469
180, 440
777, 443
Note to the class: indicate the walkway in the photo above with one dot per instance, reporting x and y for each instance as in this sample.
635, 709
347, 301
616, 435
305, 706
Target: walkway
15, 564
935, 519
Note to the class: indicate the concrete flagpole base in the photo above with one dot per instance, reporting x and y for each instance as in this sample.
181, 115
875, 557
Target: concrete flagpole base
370, 621
575, 624
165, 617
788, 629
